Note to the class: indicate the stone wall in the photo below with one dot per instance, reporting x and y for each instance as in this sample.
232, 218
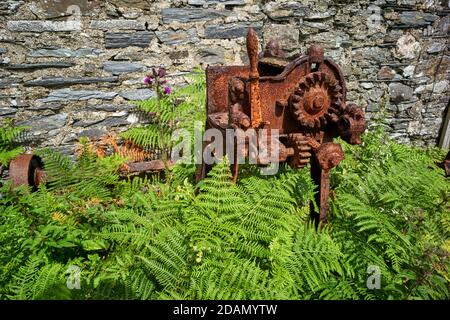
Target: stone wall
69, 68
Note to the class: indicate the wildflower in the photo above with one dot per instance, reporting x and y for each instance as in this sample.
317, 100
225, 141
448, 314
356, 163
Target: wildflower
167, 90
148, 80
161, 73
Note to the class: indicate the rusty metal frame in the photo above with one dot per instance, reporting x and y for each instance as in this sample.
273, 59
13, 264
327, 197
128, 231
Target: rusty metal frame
304, 97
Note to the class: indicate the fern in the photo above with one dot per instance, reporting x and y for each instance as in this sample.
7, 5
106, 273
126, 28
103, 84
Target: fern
36, 282
9, 136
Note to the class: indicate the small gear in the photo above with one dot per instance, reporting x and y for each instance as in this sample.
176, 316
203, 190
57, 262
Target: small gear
316, 100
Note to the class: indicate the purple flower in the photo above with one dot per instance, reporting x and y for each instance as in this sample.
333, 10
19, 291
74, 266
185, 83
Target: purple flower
148, 80
167, 90
161, 73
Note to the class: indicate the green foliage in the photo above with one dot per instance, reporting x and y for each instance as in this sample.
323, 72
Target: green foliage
170, 239
168, 113
9, 134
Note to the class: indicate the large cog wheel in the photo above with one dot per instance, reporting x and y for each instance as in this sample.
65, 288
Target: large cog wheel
316, 100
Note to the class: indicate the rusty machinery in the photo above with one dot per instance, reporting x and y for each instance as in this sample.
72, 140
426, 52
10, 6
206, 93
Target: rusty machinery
303, 97
27, 169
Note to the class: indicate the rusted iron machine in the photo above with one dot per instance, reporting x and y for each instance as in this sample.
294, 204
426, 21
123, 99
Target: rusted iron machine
303, 97
27, 169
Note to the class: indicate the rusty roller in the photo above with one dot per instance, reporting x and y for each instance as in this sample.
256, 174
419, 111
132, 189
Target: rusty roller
26, 169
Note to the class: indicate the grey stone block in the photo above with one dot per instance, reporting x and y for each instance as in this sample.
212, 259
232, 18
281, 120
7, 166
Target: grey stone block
43, 65
137, 95
232, 30
111, 107
60, 81
170, 15
125, 39
399, 92
177, 36
65, 52
43, 26
224, 2
77, 95
417, 18
9, 82
286, 10
5, 111
46, 123
118, 24
118, 67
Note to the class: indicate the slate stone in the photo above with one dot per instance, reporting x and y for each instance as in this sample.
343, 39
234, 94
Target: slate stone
8, 82
64, 52
417, 18
211, 55
137, 95
372, 107
43, 26
118, 24
8, 7
111, 107
92, 133
4, 111
232, 30
178, 55
113, 122
77, 95
400, 124
47, 106
118, 67
224, 2
399, 92
47, 123
436, 47
170, 15
287, 37
125, 39
43, 65
60, 81
86, 123
171, 37
286, 10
